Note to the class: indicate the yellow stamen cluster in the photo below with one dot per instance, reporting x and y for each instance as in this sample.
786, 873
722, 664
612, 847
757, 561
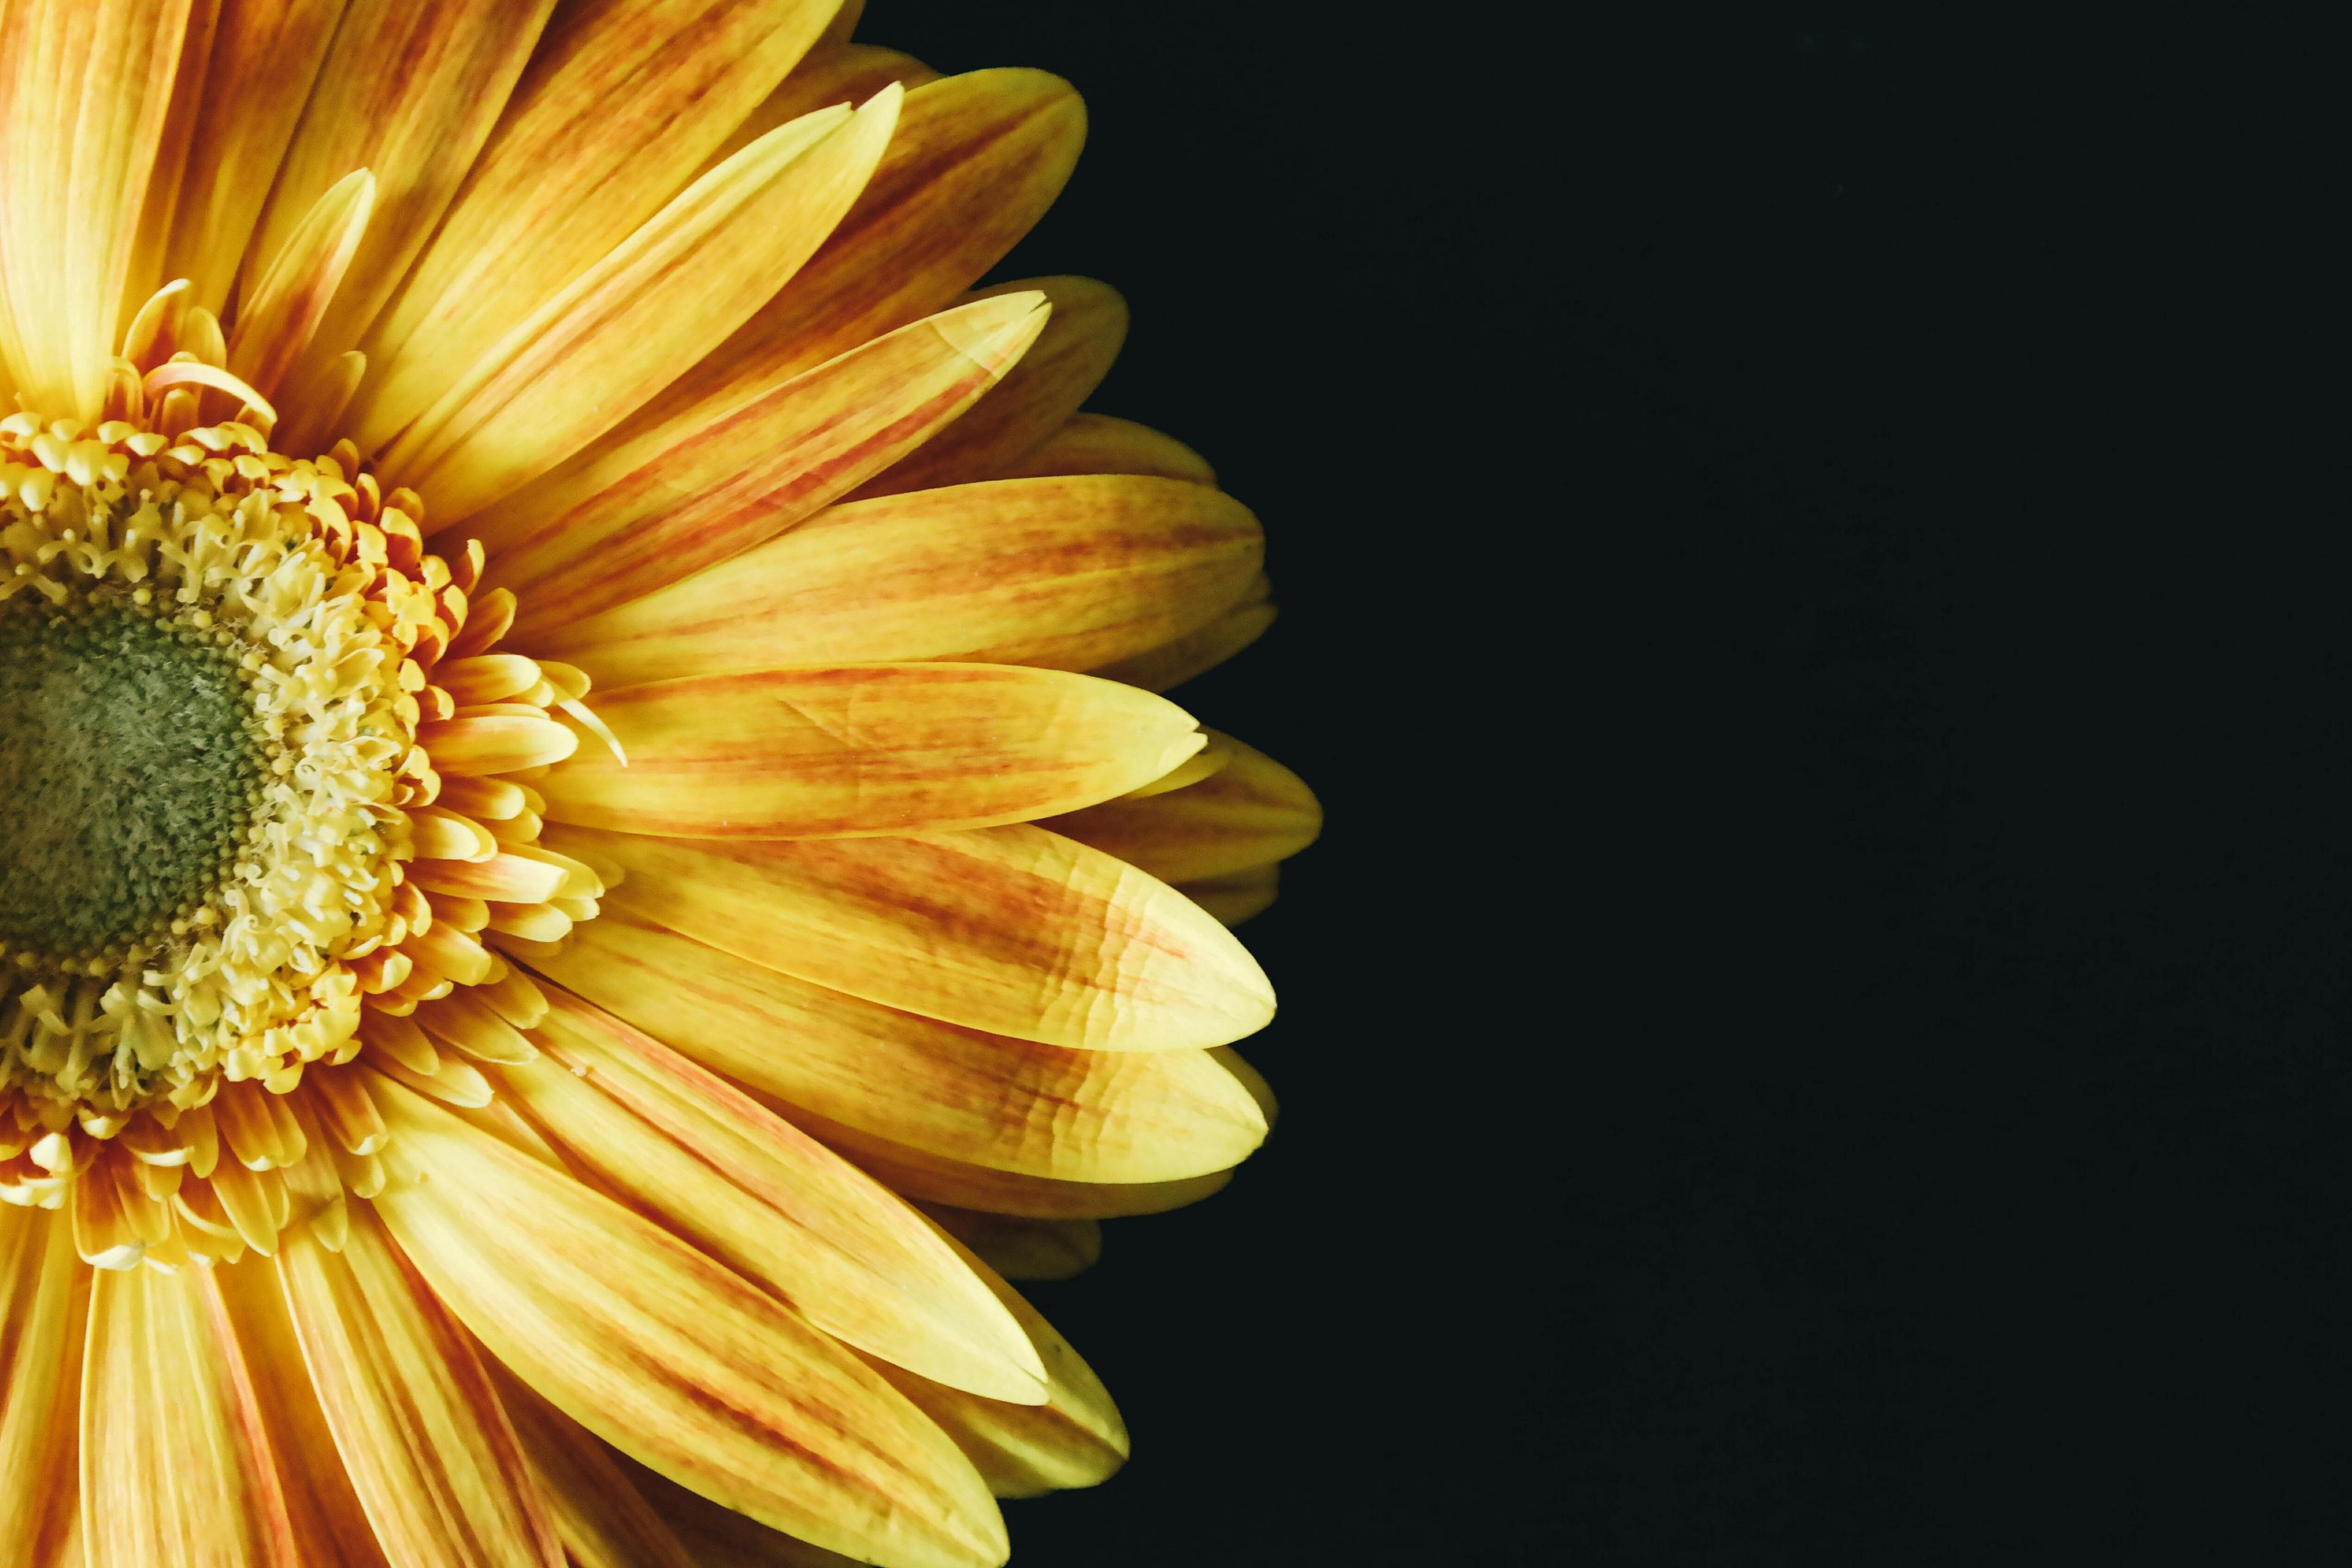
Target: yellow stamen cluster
155, 1082
240, 545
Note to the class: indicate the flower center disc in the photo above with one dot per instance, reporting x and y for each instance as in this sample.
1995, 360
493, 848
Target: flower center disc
129, 768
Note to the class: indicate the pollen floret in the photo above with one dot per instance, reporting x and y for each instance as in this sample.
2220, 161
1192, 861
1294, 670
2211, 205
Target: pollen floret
233, 549
266, 899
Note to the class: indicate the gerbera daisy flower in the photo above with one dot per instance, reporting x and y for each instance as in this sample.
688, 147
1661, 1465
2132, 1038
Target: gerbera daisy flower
592, 854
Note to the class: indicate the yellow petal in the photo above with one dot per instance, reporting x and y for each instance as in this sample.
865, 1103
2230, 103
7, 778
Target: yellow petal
865, 749
1069, 573
420, 1433
87, 88
759, 1195
495, 744
409, 90
1076, 1438
1037, 398
672, 1358
977, 159
330, 1528
933, 1179
1172, 663
1010, 930
176, 1466
622, 99
1084, 1116
1248, 813
279, 315
719, 1538
625, 328
1098, 444
834, 72
44, 1301
258, 73
604, 1521
657, 504
1022, 1248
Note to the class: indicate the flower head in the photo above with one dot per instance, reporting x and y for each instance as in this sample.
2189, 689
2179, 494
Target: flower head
589, 835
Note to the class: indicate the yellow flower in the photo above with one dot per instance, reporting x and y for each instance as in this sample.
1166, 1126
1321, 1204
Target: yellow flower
588, 824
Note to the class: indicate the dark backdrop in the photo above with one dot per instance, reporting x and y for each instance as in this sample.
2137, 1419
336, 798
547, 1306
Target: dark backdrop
1817, 1031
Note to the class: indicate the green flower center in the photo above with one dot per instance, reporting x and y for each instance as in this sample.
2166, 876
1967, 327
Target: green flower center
130, 762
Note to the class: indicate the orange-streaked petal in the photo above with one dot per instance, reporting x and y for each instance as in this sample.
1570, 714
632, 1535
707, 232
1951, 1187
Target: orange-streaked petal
622, 100
630, 516
672, 1358
833, 73
865, 749
330, 1528
1249, 812
716, 1537
280, 313
1076, 1438
44, 1302
176, 1466
422, 1433
976, 159
1037, 398
1085, 1116
88, 86
263, 60
604, 1520
1070, 573
760, 1195
1011, 930
589, 357
1098, 444
409, 91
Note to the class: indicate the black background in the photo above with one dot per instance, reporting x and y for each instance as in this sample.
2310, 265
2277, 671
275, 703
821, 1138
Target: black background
1817, 1030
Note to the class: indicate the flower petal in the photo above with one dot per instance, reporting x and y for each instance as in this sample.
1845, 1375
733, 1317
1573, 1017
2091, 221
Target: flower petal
420, 1433
44, 1300
1248, 813
623, 97
625, 328
330, 1528
759, 1195
88, 86
630, 516
672, 1358
1069, 360
930, 1178
1172, 663
1011, 930
976, 159
1243, 895
176, 1466
1083, 1116
1023, 1249
834, 72
719, 1538
1069, 573
263, 61
281, 314
1076, 1438
1097, 444
409, 90
604, 1521
865, 749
